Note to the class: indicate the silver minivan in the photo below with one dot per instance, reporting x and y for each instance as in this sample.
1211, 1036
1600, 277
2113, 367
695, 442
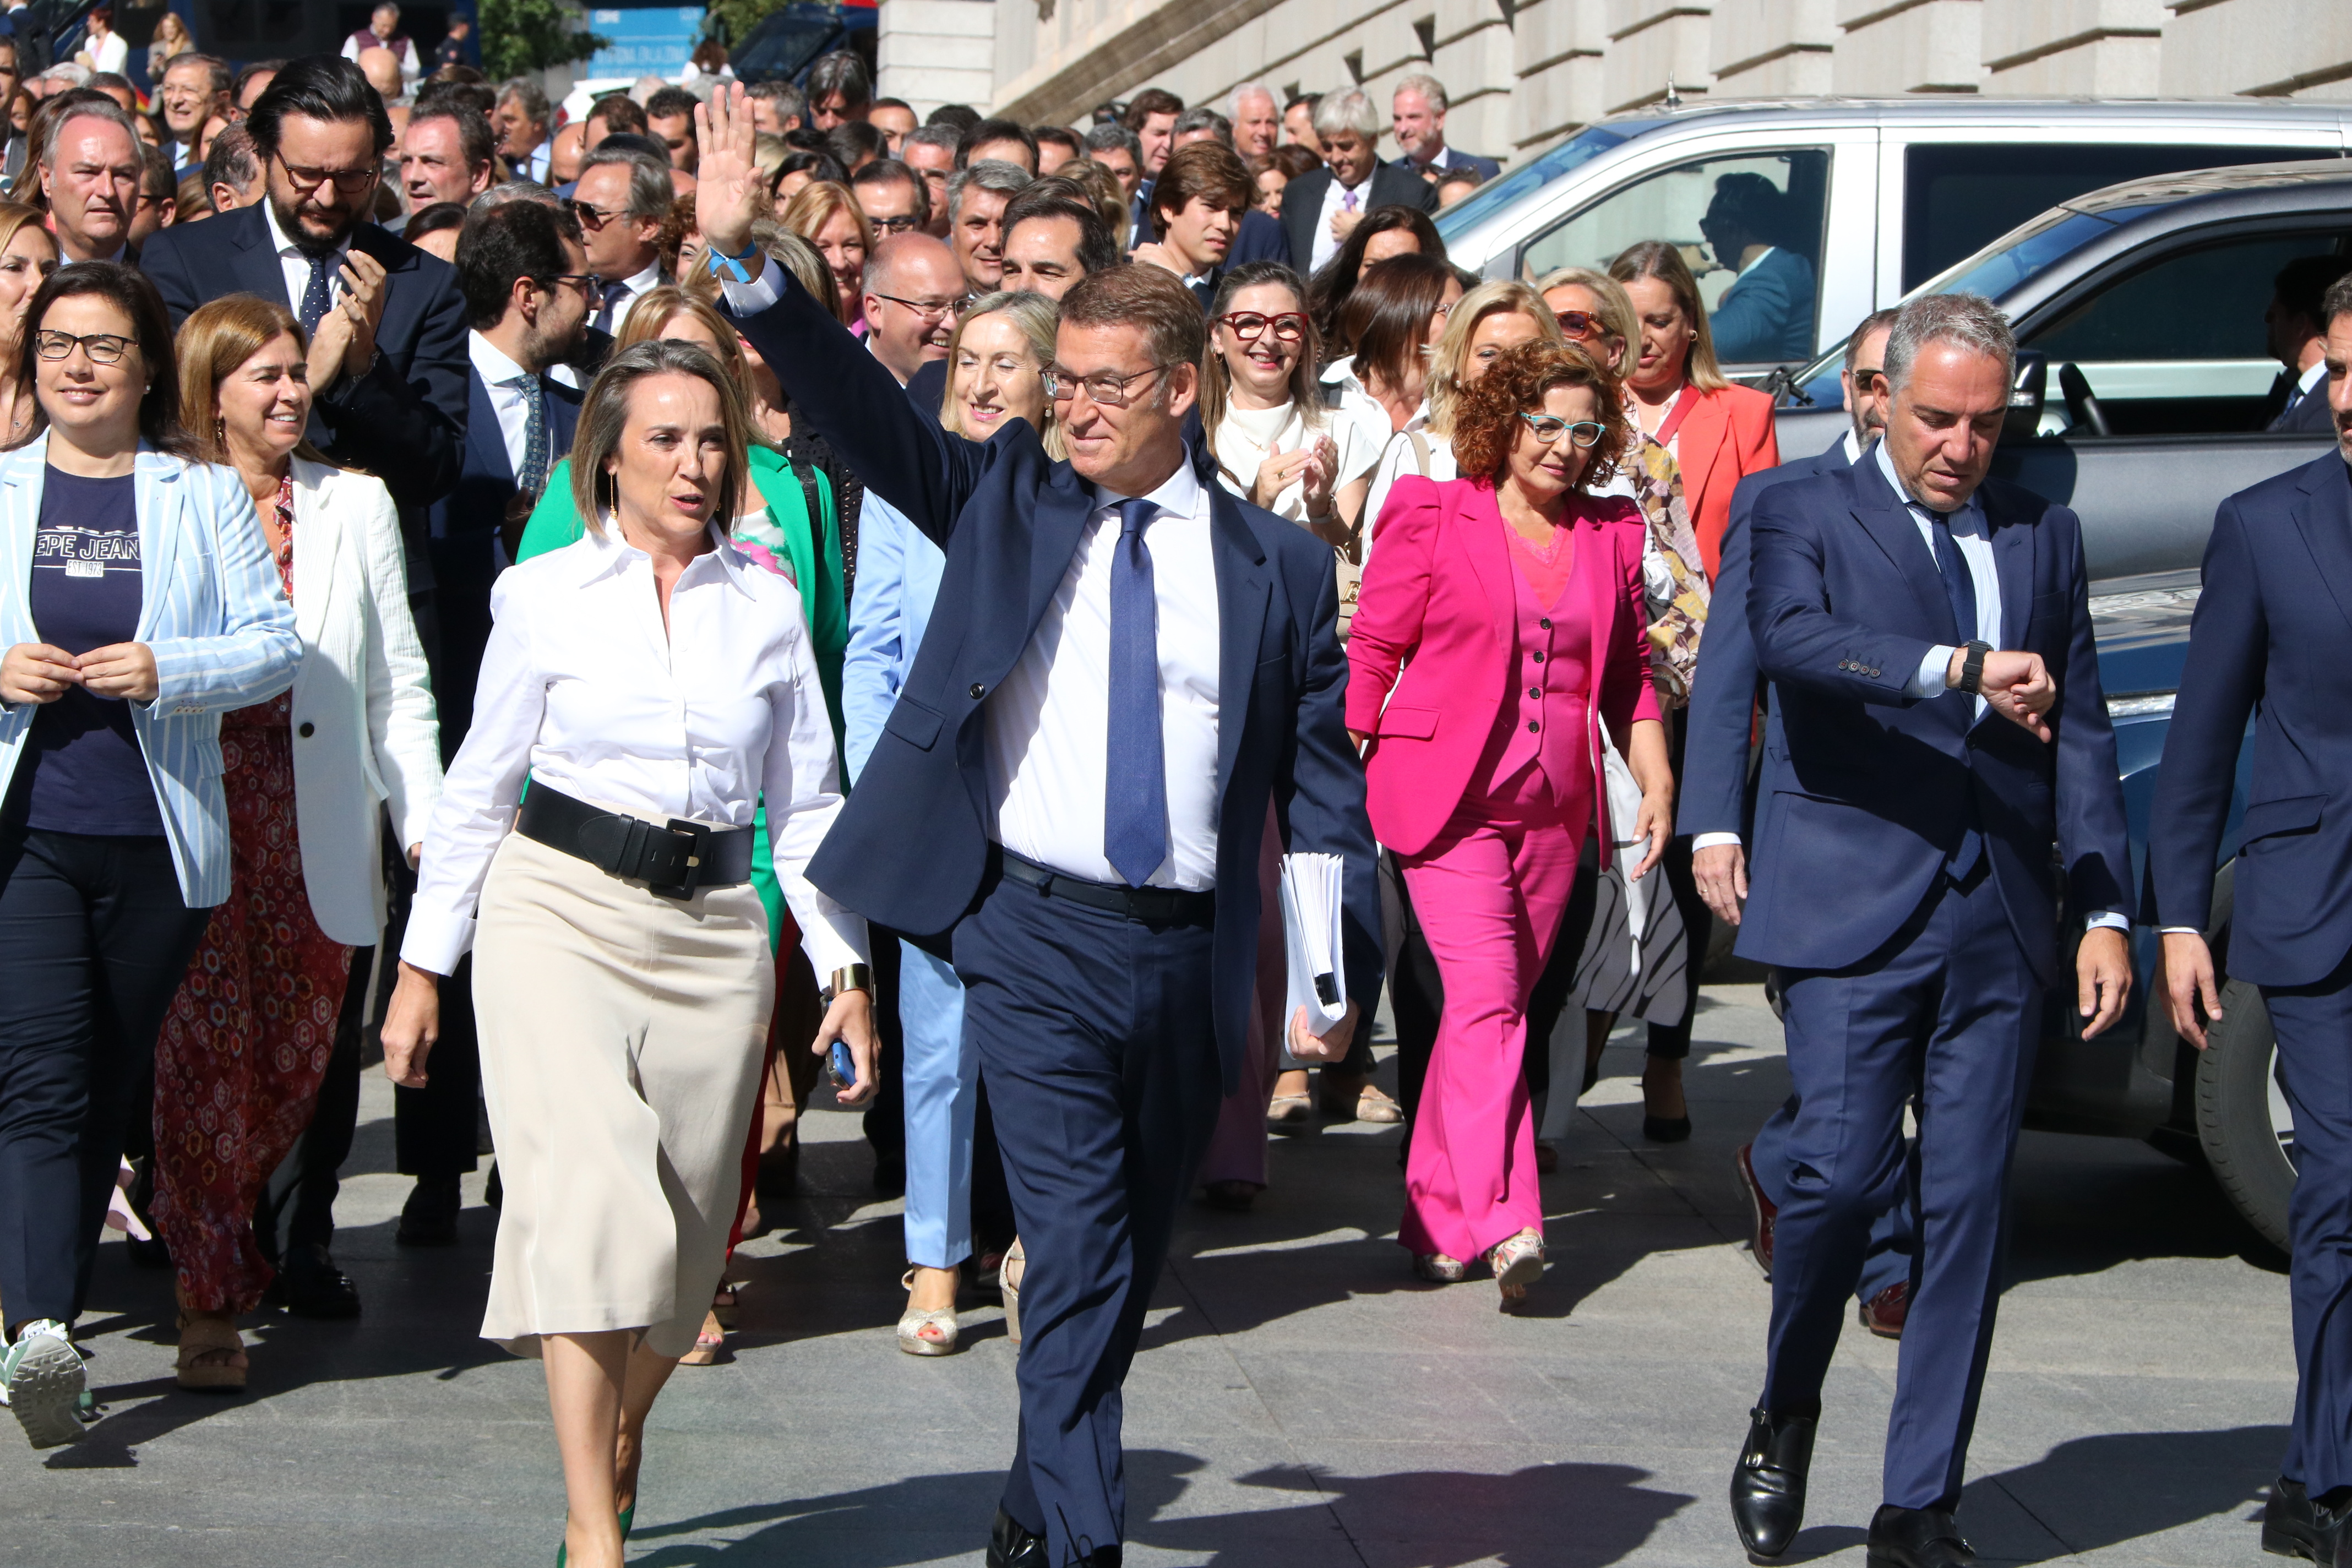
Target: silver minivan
1821, 211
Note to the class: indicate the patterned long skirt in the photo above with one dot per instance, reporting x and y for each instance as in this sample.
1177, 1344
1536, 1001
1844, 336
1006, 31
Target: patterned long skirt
238, 1063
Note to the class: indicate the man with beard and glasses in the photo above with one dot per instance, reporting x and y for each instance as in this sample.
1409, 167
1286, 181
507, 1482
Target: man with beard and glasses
388, 362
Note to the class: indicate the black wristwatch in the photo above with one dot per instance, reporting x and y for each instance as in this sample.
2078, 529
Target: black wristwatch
1972, 667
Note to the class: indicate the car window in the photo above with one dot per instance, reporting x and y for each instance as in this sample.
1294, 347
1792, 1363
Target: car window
1771, 206
2179, 345
1958, 199
1495, 194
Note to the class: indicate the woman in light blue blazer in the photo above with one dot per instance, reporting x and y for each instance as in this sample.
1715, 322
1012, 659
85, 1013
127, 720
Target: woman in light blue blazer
138, 601
994, 358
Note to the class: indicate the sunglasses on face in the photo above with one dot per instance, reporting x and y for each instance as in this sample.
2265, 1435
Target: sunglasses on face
905, 222
1289, 326
1549, 428
1581, 325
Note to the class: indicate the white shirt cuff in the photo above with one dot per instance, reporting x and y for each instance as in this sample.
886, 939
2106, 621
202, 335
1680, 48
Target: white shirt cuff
1709, 840
750, 299
436, 938
1929, 681
2180, 930
2109, 920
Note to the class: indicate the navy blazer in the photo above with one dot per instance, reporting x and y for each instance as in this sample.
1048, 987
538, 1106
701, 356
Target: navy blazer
402, 420
2273, 639
1717, 726
1866, 790
911, 849
2308, 412
462, 530
1302, 204
1768, 312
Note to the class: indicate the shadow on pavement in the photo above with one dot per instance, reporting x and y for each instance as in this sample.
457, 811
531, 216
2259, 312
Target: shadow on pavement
2096, 1492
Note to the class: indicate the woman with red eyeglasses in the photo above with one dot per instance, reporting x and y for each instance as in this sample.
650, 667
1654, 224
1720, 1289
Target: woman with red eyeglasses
1276, 444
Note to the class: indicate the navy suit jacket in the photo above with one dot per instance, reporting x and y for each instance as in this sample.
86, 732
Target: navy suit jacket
402, 420
1451, 157
1716, 728
2273, 639
2310, 412
1302, 204
911, 849
1868, 790
463, 541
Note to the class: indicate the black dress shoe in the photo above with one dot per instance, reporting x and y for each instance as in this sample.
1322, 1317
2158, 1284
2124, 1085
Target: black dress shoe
1012, 1546
429, 1217
1666, 1128
1768, 1488
1917, 1537
2295, 1526
309, 1285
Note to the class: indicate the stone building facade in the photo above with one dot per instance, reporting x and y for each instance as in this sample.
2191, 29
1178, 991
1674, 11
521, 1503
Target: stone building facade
1522, 73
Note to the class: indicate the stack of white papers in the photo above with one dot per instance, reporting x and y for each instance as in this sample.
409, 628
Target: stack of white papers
1311, 940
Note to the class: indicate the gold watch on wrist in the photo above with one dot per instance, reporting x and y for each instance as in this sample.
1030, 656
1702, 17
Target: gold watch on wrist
852, 977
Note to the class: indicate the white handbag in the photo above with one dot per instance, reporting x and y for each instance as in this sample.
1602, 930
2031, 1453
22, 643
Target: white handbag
1627, 846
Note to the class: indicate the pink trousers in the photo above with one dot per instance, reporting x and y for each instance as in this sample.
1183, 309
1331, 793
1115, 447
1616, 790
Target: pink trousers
1489, 893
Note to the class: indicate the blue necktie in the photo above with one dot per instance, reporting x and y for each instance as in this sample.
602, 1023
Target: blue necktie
318, 295
1135, 797
532, 474
1961, 589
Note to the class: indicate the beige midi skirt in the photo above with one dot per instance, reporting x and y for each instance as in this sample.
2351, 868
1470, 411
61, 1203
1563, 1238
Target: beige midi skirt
621, 1037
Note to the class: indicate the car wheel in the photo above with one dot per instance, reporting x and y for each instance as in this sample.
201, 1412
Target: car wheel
2242, 1118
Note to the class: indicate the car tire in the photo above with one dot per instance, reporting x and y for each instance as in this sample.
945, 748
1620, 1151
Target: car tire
2242, 1117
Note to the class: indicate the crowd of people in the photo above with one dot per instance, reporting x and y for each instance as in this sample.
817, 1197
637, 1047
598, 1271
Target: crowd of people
534, 593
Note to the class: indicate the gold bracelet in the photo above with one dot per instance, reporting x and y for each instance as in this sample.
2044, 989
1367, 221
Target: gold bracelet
855, 977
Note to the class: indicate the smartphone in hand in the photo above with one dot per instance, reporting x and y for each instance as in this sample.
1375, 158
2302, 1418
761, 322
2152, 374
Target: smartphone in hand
840, 1067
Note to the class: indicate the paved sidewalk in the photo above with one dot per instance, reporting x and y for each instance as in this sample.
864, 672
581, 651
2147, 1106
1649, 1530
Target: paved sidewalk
1301, 1401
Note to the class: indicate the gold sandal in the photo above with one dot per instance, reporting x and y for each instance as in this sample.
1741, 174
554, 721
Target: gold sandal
707, 1345
204, 1335
913, 1324
1015, 1268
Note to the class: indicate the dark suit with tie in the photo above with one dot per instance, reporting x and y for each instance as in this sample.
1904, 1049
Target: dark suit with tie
1107, 1040
1302, 204
2303, 411
1904, 886
2272, 641
1715, 799
401, 421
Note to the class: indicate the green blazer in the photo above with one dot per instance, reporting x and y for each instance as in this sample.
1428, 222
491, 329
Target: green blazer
555, 522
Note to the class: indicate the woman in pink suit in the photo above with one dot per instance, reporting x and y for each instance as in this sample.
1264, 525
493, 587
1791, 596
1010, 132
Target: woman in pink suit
1512, 600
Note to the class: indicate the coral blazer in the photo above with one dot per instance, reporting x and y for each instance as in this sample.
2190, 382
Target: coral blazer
1438, 592
1725, 437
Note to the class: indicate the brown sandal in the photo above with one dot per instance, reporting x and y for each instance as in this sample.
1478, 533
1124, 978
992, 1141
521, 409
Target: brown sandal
708, 1345
211, 1355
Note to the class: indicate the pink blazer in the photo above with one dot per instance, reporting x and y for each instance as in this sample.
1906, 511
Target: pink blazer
1438, 603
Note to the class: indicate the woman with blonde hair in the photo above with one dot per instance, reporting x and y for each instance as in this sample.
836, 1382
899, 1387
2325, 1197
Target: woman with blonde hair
655, 686
1493, 317
169, 42
827, 215
28, 254
246, 1039
996, 356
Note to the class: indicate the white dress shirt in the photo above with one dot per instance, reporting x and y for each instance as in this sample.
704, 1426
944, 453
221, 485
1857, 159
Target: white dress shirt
512, 407
584, 688
296, 265
619, 297
1334, 199
1049, 721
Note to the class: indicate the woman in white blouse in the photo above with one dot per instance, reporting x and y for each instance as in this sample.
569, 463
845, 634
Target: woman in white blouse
652, 683
1275, 443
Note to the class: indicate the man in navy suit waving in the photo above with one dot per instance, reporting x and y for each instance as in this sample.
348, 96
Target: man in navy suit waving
2272, 639
1936, 726
1126, 667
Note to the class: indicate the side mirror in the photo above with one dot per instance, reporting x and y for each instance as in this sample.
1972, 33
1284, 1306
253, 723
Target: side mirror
2027, 392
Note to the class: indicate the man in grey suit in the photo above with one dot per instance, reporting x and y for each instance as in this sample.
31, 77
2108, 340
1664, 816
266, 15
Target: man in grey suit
2297, 340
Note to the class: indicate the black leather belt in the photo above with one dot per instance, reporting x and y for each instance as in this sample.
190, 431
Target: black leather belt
1157, 905
672, 860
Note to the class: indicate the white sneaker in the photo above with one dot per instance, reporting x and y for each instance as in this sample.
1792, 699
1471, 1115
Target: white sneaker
43, 1375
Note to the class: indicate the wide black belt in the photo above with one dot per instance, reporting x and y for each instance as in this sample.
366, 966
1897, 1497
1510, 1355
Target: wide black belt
672, 860
1157, 905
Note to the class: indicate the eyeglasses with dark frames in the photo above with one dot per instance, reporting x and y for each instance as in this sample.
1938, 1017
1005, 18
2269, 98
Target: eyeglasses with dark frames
1289, 326
903, 222
103, 348
347, 181
1105, 388
589, 283
1549, 428
591, 216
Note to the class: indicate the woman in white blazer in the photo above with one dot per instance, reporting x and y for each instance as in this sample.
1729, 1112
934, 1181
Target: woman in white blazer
137, 605
308, 776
